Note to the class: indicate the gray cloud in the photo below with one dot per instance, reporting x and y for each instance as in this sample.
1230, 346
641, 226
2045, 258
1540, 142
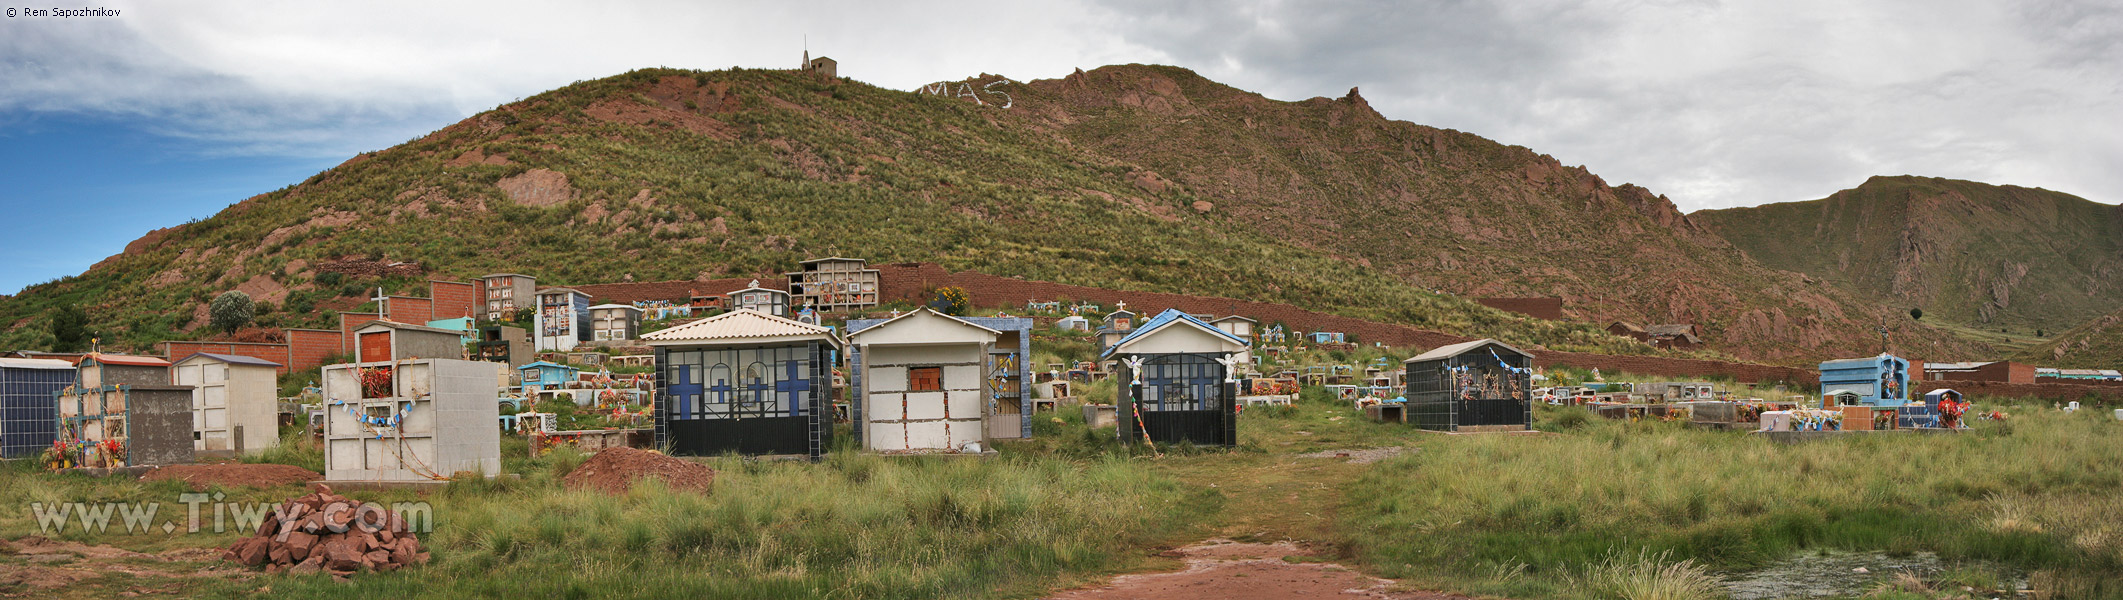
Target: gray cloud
1713, 103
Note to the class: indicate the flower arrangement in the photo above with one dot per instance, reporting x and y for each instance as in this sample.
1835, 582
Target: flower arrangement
375, 382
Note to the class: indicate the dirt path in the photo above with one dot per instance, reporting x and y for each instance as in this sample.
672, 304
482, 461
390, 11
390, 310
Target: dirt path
1228, 570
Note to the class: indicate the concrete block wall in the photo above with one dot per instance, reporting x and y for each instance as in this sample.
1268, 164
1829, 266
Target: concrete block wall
453, 299
350, 321
309, 348
278, 353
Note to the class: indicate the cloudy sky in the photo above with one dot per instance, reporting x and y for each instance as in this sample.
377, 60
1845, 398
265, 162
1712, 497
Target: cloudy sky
169, 111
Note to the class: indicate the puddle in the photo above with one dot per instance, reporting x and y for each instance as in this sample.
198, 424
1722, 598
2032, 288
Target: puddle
1830, 574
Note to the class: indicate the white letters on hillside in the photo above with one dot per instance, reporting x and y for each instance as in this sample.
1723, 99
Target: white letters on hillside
966, 90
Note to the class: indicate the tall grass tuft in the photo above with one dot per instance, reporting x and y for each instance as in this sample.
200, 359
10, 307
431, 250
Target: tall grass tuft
1647, 576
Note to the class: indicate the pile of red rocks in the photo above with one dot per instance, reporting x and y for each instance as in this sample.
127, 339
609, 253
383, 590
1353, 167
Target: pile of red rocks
327, 533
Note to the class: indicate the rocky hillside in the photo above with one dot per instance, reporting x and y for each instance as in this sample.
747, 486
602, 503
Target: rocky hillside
1985, 255
1131, 177
2096, 345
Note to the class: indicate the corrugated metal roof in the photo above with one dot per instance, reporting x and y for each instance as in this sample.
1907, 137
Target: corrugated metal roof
739, 325
869, 324
128, 360
406, 326
1953, 366
233, 359
34, 363
1461, 348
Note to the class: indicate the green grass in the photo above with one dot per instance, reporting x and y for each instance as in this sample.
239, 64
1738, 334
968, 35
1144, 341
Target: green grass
2021, 495
1596, 509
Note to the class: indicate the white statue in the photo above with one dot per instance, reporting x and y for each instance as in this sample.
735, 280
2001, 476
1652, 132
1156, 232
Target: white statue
1135, 369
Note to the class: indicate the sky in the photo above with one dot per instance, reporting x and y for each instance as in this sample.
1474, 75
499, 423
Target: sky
165, 112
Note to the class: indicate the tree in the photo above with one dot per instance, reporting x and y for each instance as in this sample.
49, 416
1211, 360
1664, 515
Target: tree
1916, 314
70, 329
230, 311
951, 301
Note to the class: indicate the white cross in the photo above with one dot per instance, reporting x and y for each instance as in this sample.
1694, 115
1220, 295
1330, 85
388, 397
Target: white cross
1123, 304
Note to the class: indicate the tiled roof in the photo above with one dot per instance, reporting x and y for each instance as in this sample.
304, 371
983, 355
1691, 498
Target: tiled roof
737, 326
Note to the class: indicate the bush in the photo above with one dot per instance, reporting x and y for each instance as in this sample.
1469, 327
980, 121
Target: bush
230, 311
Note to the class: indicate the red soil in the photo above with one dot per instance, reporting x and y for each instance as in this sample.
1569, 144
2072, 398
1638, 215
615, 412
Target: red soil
613, 470
234, 474
1233, 571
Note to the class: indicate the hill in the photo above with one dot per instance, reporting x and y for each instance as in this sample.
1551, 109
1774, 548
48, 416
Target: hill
1131, 177
2096, 345
1989, 256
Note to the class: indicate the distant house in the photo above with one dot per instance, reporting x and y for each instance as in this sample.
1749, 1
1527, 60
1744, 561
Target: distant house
1999, 371
1676, 336
822, 67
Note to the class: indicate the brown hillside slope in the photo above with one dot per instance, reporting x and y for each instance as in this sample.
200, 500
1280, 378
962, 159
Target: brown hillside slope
1129, 178
1449, 210
1987, 255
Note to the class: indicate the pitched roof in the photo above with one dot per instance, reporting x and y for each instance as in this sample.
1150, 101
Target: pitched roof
127, 360
1683, 330
625, 306
546, 364
1165, 319
868, 327
739, 326
233, 359
1450, 351
1627, 326
1232, 318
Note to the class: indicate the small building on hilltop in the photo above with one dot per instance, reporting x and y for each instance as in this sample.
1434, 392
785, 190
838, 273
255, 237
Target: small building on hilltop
1478, 386
744, 381
1679, 336
235, 401
1176, 374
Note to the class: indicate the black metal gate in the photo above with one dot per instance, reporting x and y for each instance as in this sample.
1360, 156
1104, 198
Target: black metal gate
767, 400
1491, 411
1183, 397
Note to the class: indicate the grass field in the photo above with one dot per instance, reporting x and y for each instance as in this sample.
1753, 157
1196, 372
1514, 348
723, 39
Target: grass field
1596, 509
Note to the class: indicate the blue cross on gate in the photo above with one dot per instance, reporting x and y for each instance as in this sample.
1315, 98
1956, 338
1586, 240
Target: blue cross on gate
792, 384
683, 389
722, 391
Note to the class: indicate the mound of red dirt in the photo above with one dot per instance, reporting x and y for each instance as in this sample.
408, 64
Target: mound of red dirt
613, 470
233, 474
